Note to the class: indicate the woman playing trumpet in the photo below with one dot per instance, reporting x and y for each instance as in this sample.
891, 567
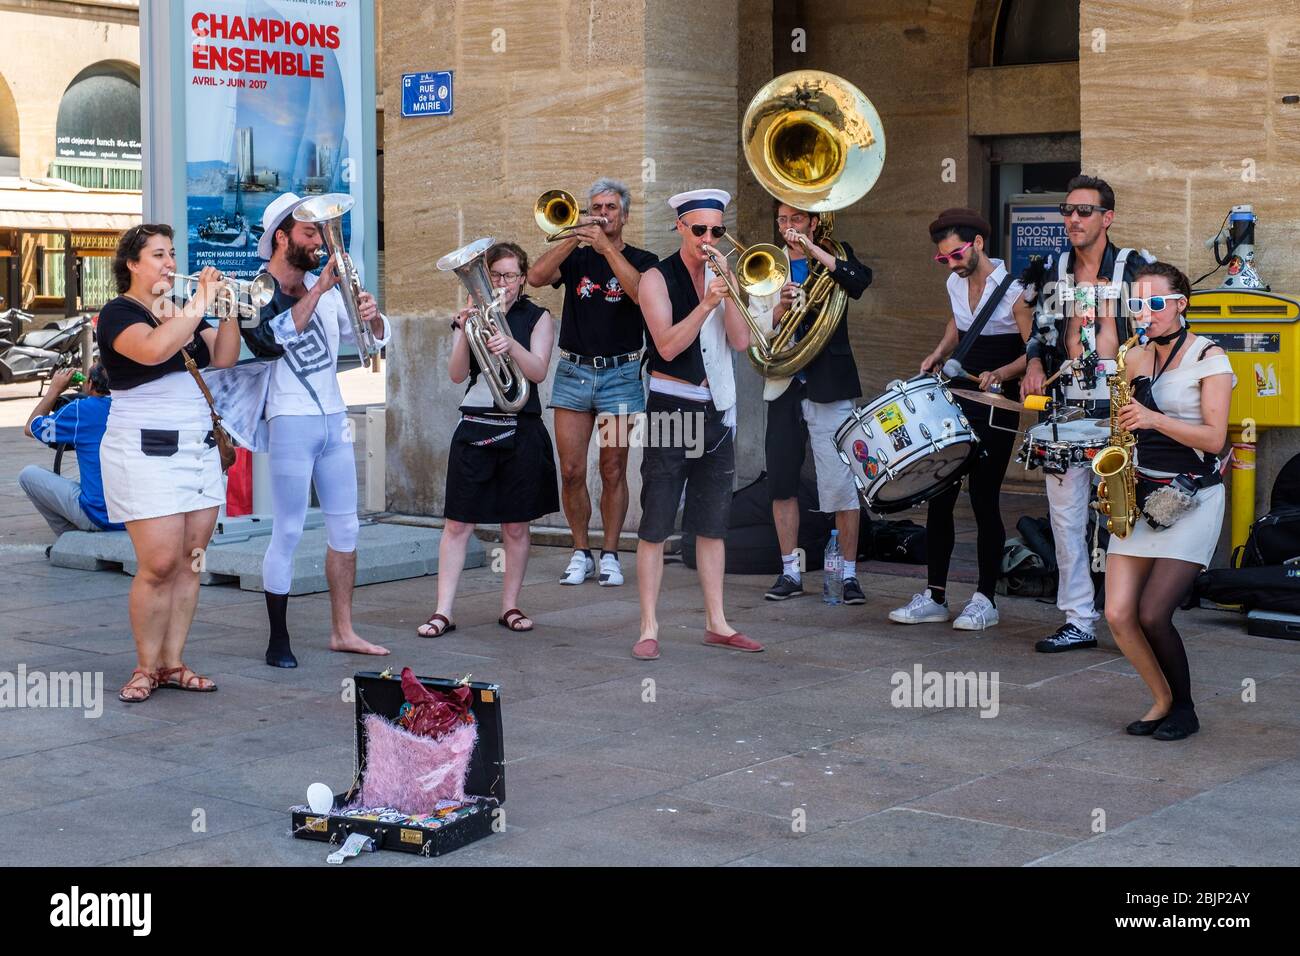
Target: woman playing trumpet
501, 468
161, 468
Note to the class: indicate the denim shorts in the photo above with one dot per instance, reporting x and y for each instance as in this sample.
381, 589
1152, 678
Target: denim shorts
614, 391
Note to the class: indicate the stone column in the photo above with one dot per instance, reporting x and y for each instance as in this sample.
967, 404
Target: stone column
548, 94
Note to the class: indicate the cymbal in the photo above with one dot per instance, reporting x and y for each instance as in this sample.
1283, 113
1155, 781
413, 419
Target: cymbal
986, 398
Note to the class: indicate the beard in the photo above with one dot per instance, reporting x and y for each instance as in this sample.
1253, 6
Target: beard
972, 263
301, 257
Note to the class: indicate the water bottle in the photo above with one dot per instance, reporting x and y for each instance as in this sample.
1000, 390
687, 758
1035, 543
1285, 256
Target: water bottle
833, 571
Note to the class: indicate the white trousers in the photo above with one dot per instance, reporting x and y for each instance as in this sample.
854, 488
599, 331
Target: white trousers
1068, 496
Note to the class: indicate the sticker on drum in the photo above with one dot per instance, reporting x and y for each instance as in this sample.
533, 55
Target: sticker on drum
900, 437
860, 451
890, 417
871, 467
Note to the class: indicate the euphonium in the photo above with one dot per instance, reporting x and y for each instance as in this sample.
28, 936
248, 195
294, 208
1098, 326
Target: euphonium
504, 376
816, 143
326, 213
1114, 464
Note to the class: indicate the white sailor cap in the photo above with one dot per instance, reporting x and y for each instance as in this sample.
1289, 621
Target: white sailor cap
685, 202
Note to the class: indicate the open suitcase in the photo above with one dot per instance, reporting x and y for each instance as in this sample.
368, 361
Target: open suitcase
484, 787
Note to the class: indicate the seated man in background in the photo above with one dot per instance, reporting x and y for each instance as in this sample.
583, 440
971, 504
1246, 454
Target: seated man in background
68, 505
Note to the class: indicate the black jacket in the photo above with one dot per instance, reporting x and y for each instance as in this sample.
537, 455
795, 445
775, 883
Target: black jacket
833, 374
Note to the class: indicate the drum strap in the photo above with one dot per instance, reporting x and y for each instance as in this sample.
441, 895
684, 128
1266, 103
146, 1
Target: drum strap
990, 306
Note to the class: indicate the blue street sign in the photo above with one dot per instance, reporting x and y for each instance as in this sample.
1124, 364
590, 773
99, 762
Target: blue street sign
427, 94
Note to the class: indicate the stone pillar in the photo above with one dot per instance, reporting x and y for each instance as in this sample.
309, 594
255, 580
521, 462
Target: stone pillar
548, 93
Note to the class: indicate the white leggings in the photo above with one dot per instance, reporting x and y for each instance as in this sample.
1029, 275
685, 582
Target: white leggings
309, 450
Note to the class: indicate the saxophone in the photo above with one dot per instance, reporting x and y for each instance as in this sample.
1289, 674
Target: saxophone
1117, 491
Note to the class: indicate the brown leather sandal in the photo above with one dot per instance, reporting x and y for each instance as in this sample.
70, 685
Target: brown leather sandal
438, 625
511, 619
182, 678
133, 687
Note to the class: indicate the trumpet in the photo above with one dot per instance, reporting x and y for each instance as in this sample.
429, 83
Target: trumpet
761, 269
504, 376
556, 213
235, 297
326, 212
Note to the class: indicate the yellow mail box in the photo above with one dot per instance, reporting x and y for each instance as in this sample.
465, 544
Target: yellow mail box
1260, 331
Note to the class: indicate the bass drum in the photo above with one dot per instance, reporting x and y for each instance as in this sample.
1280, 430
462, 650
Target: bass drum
907, 445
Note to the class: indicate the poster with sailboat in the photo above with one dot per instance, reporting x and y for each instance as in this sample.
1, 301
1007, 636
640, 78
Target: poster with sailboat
274, 103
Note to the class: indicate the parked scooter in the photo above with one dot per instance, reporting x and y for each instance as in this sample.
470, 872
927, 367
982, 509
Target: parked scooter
36, 355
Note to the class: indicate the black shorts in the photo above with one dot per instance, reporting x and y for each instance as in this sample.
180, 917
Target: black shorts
510, 478
785, 442
699, 456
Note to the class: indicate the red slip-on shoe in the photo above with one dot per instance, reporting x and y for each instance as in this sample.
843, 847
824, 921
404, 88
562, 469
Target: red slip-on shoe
647, 650
735, 642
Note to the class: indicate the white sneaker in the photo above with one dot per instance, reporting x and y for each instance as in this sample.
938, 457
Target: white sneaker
977, 615
921, 610
581, 568
611, 572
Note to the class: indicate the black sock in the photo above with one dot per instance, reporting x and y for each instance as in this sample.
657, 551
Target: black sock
587, 552
938, 595
277, 648
603, 552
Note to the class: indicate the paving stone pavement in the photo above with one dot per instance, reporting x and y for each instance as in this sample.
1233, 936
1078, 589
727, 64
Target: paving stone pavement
792, 756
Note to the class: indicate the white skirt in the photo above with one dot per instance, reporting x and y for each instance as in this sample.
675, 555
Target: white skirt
149, 473
1193, 537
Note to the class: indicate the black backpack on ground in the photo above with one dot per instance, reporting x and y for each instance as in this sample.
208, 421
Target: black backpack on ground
1275, 588
752, 546
1275, 538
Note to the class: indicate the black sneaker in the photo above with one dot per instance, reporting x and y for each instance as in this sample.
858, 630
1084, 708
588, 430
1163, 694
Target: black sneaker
853, 592
785, 587
1068, 637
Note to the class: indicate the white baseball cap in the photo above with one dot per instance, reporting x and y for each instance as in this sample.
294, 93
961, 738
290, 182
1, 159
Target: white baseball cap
280, 209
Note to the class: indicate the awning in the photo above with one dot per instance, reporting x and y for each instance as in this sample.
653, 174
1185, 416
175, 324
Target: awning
55, 205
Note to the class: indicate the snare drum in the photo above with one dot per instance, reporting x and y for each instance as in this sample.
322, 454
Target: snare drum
907, 445
1074, 445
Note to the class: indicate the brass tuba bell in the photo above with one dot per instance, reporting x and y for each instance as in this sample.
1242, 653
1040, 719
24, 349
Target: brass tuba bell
816, 143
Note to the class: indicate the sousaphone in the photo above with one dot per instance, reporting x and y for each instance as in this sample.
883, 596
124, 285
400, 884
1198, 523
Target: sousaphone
815, 142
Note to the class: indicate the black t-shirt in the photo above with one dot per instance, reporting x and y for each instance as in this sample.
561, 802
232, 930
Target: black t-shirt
599, 316
521, 318
116, 316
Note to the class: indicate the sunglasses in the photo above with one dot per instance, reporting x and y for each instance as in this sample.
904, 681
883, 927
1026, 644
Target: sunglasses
1084, 209
1155, 303
957, 255
698, 230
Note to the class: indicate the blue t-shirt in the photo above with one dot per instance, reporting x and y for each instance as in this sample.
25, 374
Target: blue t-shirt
798, 270
81, 423
798, 273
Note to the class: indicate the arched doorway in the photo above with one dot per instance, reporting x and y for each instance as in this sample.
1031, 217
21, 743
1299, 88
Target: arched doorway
1025, 54
8, 131
97, 133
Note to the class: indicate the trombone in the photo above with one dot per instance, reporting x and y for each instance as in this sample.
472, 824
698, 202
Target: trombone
235, 297
761, 270
556, 213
